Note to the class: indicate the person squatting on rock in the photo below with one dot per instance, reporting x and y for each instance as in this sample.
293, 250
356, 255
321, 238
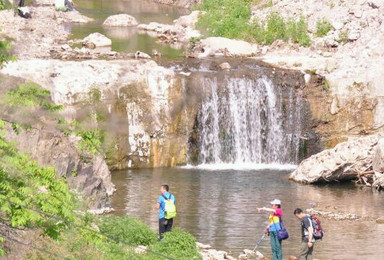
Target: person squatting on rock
165, 225
307, 235
273, 227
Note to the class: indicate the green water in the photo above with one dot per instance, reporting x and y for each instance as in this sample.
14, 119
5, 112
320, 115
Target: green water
127, 40
220, 208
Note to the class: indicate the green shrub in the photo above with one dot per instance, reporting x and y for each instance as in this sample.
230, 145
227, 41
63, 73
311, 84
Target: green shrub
91, 140
29, 95
178, 244
297, 32
25, 184
128, 229
225, 18
323, 27
277, 28
343, 36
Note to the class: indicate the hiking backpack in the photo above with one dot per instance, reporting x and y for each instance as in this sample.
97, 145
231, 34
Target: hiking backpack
318, 231
170, 207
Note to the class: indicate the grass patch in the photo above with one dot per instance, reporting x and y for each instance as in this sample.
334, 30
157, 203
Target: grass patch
29, 95
128, 229
323, 27
178, 244
230, 19
276, 28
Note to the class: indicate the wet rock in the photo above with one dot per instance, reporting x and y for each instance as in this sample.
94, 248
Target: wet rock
333, 215
120, 20
97, 39
378, 181
344, 162
202, 246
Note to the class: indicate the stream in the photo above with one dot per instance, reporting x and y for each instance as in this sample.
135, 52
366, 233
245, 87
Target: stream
219, 205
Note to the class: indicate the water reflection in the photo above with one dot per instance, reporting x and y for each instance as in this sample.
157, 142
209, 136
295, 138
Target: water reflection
127, 39
219, 208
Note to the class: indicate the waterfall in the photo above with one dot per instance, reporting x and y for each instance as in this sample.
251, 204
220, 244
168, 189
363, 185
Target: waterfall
245, 121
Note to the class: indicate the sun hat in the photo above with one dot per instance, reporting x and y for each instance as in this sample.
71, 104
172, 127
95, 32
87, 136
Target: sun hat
276, 202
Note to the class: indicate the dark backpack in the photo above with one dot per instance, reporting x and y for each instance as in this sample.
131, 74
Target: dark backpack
318, 231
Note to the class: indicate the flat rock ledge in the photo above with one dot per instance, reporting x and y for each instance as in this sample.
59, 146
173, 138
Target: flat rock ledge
359, 159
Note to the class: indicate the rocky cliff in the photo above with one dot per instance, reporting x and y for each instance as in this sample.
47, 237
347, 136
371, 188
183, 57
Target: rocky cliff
349, 58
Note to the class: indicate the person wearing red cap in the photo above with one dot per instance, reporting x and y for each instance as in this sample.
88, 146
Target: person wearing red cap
273, 227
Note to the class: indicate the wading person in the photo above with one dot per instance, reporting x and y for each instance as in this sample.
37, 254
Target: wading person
306, 235
167, 210
273, 227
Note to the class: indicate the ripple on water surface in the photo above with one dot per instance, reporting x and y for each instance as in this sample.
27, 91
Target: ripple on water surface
219, 208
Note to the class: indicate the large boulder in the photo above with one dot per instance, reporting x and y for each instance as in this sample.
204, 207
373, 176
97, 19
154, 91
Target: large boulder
344, 162
97, 39
220, 46
122, 20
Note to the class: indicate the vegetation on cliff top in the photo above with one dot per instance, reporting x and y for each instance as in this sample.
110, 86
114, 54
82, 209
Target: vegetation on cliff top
231, 19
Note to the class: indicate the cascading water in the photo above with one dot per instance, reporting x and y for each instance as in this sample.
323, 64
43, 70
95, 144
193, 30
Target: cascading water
246, 121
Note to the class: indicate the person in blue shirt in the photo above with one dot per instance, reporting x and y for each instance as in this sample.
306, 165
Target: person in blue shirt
165, 225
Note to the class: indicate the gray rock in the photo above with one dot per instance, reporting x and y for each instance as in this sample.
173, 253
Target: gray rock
216, 46
120, 20
188, 20
334, 106
344, 162
225, 66
378, 158
202, 246
97, 39
337, 25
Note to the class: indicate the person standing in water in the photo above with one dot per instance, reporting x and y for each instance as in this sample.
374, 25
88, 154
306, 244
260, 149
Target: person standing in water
274, 225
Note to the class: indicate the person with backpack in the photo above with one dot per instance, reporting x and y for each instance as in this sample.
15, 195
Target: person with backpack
274, 225
307, 235
167, 210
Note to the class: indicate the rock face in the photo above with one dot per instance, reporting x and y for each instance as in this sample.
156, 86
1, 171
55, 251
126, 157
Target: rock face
344, 162
52, 148
120, 20
378, 159
97, 39
149, 110
348, 57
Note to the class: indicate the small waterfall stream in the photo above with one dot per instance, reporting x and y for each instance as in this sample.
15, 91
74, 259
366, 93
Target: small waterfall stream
246, 121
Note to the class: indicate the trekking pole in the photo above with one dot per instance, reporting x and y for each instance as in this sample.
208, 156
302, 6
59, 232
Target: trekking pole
258, 243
